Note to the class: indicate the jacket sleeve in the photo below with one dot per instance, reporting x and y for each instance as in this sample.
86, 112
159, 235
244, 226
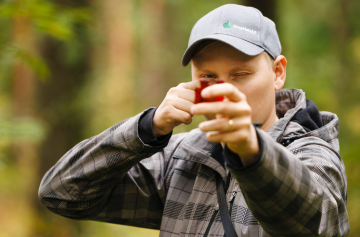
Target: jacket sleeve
301, 192
112, 177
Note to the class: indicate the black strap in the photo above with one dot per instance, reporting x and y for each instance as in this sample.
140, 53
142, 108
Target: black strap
224, 213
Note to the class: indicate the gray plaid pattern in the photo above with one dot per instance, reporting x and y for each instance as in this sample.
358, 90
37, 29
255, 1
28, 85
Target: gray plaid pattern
114, 177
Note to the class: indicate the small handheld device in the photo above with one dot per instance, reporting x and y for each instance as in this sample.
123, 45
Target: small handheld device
205, 82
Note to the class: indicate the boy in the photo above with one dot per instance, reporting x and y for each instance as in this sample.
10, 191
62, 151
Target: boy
285, 178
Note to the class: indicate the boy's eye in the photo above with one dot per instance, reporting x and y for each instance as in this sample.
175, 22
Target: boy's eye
208, 76
241, 74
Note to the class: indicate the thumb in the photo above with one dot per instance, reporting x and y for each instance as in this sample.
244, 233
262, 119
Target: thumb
190, 85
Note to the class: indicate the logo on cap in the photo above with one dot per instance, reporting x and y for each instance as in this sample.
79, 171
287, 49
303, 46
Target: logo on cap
227, 24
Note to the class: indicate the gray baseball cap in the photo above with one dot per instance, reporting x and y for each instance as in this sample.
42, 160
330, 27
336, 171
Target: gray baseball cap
244, 28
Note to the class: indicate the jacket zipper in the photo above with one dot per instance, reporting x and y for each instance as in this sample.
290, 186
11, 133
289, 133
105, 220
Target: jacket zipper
217, 207
232, 199
211, 221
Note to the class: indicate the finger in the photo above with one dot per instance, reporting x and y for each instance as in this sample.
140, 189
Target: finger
190, 85
223, 124
238, 136
182, 93
224, 89
230, 109
181, 116
183, 105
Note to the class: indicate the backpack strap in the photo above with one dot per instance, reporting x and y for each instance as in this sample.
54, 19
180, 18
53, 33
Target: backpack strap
224, 213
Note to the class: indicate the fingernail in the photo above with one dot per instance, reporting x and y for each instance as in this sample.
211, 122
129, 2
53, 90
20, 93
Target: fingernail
193, 110
205, 94
201, 126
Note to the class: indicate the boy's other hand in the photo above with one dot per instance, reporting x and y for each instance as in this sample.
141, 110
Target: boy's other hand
239, 135
175, 108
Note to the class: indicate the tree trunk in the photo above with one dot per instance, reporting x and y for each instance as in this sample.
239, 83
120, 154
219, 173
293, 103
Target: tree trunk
58, 105
111, 90
267, 7
19, 206
152, 48
342, 36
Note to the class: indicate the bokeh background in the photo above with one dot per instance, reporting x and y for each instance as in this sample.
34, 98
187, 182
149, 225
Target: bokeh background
71, 69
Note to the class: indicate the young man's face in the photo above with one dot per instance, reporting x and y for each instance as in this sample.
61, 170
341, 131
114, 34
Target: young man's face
256, 76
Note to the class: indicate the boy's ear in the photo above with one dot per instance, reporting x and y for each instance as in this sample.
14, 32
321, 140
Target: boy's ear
280, 72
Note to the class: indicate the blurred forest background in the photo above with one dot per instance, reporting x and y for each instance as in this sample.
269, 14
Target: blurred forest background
71, 69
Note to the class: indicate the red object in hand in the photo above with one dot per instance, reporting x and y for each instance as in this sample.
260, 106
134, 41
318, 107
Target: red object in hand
205, 82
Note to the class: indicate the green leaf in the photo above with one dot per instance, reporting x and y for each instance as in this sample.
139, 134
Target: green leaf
36, 63
12, 129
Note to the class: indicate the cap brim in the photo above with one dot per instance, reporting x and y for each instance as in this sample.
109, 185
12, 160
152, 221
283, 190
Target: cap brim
239, 44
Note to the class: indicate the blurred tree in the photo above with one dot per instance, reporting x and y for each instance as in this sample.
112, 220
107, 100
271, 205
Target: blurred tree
346, 37
110, 92
267, 7
28, 21
58, 103
153, 60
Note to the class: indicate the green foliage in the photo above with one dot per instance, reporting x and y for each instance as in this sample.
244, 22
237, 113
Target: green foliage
18, 130
46, 16
33, 61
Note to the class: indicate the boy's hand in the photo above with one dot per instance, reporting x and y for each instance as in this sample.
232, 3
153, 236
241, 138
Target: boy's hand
240, 136
175, 108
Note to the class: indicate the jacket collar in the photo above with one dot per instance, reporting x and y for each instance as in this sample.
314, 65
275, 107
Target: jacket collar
288, 103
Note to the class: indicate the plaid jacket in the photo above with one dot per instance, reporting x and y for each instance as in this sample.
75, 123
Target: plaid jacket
297, 190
